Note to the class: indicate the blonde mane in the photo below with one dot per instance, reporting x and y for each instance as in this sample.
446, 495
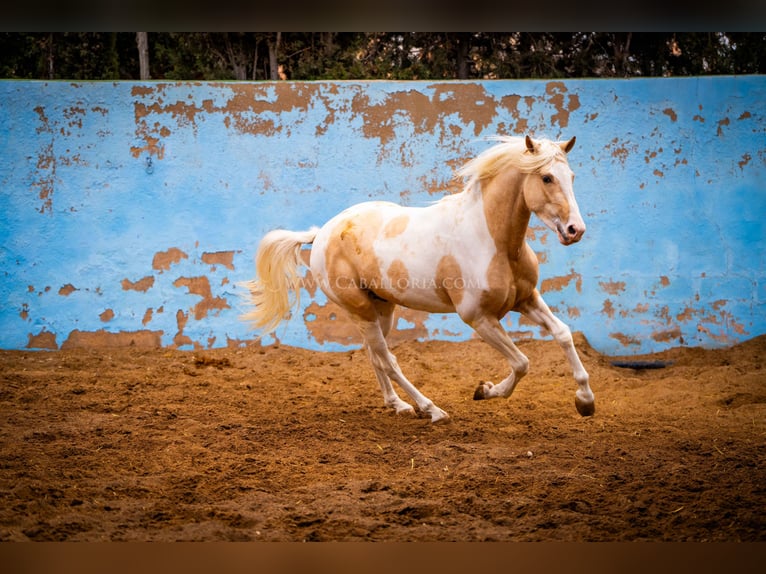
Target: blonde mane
510, 152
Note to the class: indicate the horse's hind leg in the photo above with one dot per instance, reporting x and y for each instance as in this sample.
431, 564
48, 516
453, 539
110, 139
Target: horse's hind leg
387, 369
385, 319
537, 311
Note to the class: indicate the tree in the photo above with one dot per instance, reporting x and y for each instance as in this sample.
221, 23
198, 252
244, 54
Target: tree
143, 55
377, 55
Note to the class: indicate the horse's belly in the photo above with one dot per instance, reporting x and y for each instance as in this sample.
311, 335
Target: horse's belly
421, 295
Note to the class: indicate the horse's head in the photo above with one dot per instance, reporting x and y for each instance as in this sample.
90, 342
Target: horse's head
549, 193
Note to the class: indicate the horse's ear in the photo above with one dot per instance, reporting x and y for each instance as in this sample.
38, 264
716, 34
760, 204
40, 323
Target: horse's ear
531, 148
567, 147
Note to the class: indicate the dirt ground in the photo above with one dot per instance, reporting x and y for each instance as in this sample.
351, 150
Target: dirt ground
284, 444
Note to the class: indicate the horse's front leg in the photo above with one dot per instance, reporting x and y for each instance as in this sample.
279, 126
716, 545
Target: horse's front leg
492, 332
538, 312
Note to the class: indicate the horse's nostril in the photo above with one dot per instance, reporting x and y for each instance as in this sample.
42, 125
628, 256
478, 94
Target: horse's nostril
572, 230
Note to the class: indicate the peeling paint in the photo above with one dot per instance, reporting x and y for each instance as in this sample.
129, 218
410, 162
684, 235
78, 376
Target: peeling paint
164, 259
671, 114
612, 287
200, 286
152, 252
142, 285
225, 258
562, 281
43, 340
102, 339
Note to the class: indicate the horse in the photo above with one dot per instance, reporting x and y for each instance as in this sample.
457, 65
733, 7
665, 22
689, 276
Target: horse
465, 253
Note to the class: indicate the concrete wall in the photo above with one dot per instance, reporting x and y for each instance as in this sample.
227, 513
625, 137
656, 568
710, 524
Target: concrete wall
131, 210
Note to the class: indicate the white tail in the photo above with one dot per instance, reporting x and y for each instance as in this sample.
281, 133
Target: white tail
276, 268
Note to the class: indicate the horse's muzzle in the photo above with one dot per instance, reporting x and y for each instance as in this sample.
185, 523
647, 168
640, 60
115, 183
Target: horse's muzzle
571, 233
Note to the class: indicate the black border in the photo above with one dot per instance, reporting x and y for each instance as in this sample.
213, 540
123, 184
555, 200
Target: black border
385, 15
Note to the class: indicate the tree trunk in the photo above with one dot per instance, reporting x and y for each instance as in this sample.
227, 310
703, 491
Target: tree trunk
50, 57
236, 58
273, 52
463, 41
255, 62
143, 55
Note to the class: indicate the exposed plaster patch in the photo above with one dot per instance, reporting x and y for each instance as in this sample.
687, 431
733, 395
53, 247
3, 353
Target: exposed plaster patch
721, 124
67, 290
103, 339
329, 323
200, 286
142, 285
671, 114
225, 258
556, 91
511, 103
667, 335
558, 283
179, 340
43, 340
612, 287
164, 259
625, 340
106, 316
620, 151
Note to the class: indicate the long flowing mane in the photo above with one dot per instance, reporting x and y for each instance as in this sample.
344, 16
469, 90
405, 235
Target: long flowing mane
510, 152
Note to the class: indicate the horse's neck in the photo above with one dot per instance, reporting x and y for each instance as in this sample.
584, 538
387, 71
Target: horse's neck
506, 212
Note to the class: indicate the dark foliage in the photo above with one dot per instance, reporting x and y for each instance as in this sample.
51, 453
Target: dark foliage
380, 55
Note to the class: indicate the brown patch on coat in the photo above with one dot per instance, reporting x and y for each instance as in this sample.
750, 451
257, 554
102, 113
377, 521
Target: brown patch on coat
511, 281
509, 234
351, 264
398, 276
396, 226
450, 284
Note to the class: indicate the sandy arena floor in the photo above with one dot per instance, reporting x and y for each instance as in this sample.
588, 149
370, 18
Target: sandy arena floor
283, 444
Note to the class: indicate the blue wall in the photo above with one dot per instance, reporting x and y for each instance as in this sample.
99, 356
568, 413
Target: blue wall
131, 210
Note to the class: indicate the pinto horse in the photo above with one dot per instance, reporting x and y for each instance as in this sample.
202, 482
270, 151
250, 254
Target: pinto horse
464, 254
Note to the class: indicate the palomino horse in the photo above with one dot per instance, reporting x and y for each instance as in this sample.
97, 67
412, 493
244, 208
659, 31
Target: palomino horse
464, 254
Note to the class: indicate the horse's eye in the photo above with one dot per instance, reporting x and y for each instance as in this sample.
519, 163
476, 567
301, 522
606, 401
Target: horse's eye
547, 179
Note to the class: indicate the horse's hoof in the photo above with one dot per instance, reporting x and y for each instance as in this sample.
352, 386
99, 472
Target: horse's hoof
406, 410
439, 416
586, 409
481, 391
